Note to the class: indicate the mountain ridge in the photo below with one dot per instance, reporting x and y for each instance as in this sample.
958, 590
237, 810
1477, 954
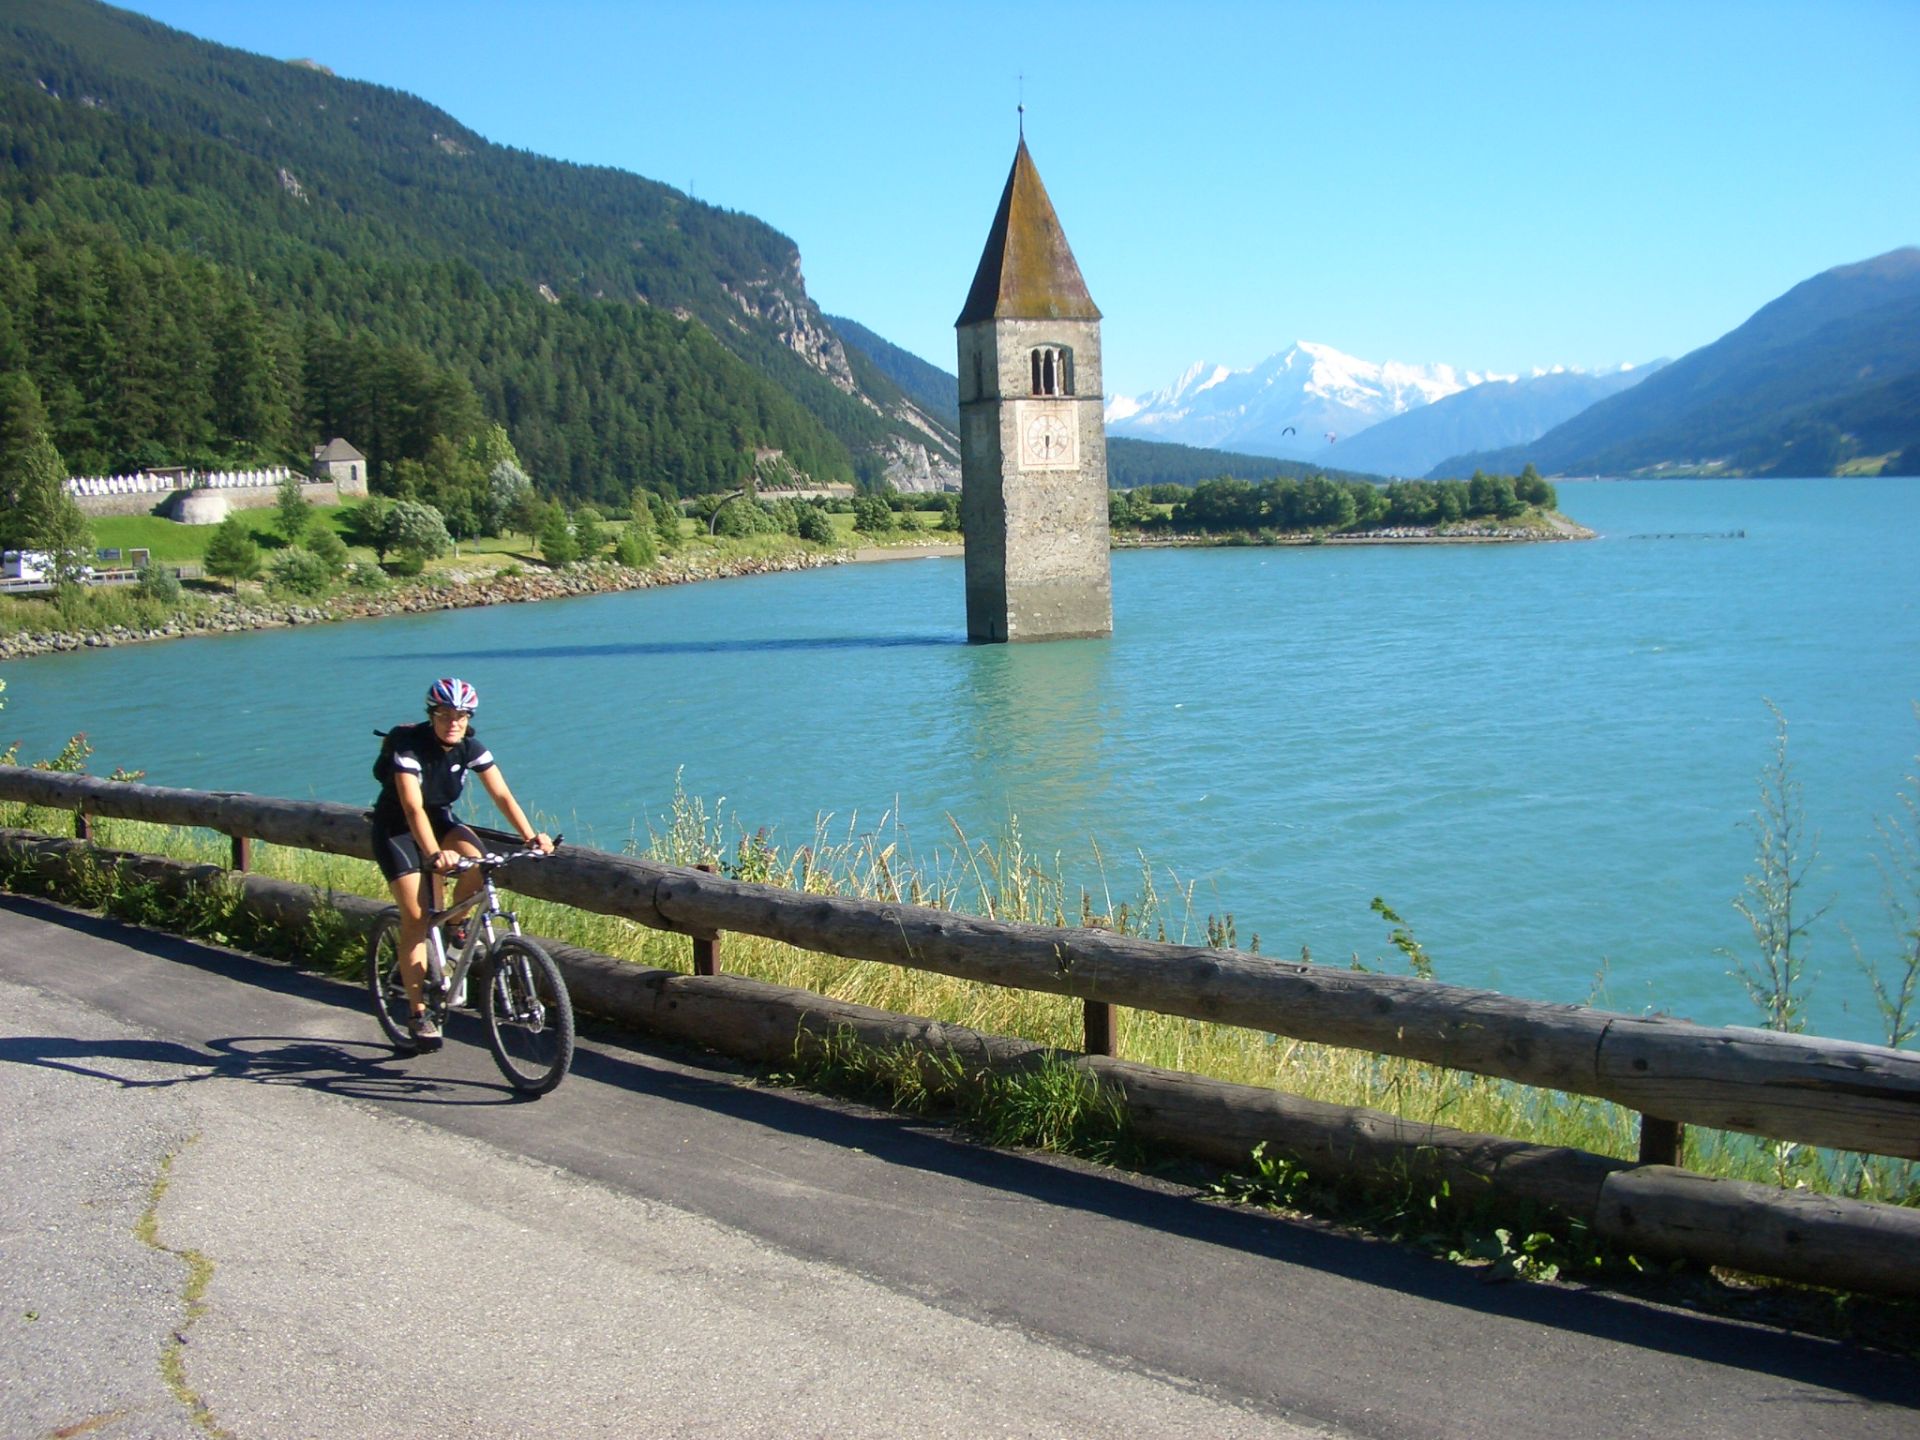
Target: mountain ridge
1496, 411
1821, 377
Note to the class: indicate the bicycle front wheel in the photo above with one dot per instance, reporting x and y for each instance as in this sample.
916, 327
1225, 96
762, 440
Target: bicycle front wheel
529, 1017
390, 1004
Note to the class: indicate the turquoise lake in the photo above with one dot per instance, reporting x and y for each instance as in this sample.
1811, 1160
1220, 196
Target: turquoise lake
1544, 756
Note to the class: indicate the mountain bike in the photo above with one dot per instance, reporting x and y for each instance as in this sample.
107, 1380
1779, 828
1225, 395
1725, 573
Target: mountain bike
523, 999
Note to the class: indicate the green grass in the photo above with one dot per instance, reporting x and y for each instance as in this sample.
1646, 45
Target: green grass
912, 527
172, 543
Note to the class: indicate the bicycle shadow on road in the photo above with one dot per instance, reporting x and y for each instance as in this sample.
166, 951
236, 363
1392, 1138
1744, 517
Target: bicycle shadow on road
356, 1070
367, 1070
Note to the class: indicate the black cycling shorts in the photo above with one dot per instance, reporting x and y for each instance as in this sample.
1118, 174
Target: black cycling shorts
397, 853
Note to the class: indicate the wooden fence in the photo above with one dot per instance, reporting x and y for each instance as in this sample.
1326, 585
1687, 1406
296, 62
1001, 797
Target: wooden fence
1788, 1087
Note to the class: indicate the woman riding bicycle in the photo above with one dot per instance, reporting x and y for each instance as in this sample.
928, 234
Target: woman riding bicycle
422, 769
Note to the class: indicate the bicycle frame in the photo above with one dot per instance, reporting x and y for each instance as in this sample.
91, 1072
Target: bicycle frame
523, 1004
480, 937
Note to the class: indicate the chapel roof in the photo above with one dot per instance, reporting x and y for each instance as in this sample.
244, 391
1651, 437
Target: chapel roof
1027, 272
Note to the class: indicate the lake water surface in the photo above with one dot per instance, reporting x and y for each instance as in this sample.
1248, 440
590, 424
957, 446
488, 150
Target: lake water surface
1541, 755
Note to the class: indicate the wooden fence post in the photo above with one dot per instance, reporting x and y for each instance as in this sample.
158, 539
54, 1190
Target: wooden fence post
1101, 1022
1661, 1141
242, 853
706, 950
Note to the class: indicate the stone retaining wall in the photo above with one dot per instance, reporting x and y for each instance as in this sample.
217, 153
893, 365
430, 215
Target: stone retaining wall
162, 502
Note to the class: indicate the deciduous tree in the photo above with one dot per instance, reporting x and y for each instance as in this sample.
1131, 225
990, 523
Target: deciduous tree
416, 530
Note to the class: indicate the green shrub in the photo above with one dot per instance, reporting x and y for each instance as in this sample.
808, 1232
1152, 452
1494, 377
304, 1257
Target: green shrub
329, 549
159, 584
421, 529
301, 572
634, 548
812, 524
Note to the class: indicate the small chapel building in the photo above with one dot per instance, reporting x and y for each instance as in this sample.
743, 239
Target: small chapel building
1033, 440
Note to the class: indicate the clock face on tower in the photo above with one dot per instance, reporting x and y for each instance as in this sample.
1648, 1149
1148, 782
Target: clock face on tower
1048, 439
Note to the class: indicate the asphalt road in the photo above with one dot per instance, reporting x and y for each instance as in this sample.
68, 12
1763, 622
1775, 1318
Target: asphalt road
220, 1189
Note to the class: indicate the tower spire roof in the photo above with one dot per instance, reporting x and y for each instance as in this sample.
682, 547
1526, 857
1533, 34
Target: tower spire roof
1027, 272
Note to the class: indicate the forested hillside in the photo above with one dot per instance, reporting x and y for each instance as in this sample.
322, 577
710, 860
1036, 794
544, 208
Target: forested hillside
207, 256
1132, 463
934, 390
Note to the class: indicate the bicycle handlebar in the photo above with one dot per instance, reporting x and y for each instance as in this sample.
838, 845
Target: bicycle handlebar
495, 861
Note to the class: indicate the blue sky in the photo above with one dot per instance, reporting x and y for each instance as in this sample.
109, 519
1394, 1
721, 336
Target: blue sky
1496, 186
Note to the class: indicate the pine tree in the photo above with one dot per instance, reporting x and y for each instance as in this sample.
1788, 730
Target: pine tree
36, 512
27, 457
557, 545
232, 554
296, 511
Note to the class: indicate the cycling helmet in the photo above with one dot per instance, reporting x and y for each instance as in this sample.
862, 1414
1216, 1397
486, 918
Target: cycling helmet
451, 694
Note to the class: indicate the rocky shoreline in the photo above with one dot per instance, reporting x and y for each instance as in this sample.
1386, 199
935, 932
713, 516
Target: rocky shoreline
456, 590
449, 590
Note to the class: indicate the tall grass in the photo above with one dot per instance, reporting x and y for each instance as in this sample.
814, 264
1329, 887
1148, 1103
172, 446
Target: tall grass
86, 609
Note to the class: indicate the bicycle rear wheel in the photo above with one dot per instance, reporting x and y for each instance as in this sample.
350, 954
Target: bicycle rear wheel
529, 1017
390, 1004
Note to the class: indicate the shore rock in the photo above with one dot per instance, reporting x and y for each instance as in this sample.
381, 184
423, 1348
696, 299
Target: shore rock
442, 592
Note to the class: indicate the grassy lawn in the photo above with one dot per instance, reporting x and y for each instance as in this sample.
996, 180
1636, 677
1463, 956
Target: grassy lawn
914, 526
172, 543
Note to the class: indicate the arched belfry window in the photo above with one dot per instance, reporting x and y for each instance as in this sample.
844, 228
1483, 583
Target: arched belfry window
1052, 367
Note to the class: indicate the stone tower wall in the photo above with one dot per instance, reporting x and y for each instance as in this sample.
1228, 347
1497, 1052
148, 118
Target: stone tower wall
1036, 524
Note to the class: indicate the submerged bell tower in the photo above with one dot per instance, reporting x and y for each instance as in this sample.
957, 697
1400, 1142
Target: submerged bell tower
1033, 440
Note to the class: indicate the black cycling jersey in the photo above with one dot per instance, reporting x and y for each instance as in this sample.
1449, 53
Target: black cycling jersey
441, 770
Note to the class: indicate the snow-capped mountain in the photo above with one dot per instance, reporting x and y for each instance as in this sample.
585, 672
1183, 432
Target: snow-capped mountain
1298, 404
1482, 417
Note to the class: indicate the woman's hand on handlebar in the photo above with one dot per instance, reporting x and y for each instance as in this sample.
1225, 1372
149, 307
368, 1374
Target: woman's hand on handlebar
445, 862
542, 842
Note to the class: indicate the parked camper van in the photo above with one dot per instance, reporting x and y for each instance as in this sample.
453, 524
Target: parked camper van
27, 568
26, 565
